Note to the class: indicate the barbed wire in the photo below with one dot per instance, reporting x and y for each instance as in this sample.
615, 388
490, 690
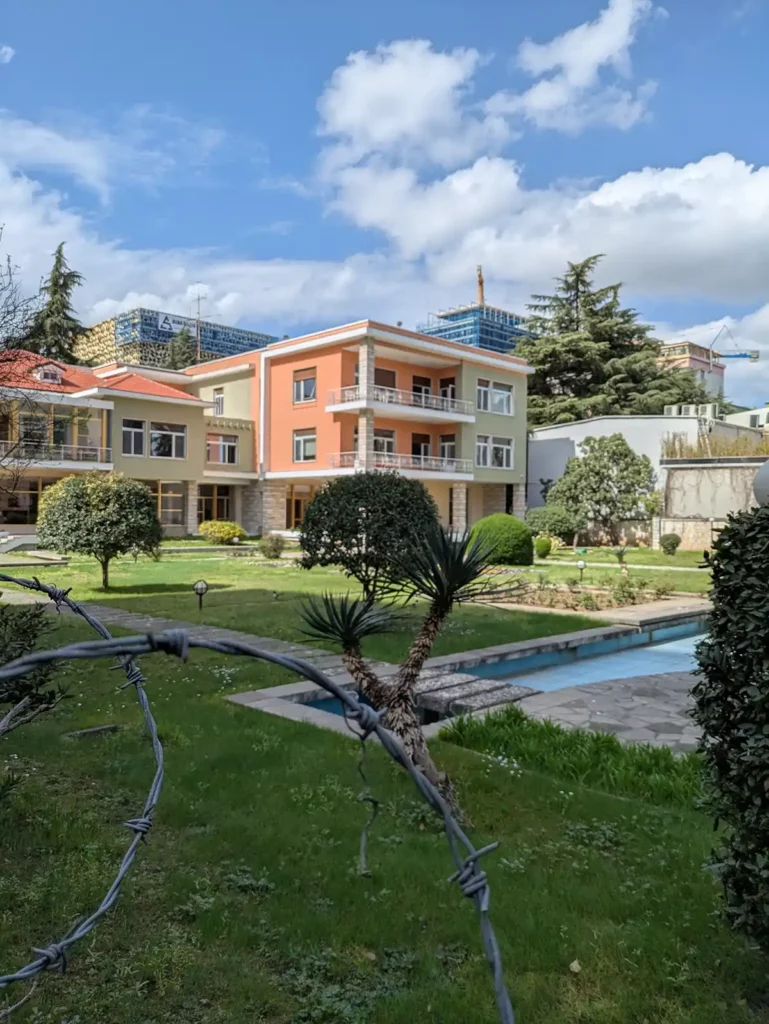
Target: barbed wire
472, 881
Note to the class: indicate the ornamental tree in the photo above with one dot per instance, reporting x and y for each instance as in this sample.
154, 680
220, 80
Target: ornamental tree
182, 351
100, 514
606, 484
54, 327
364, 523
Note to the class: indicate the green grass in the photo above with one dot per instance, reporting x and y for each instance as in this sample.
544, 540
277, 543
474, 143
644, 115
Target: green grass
692, 582
577, 755
633, 556
245, 905
242, 597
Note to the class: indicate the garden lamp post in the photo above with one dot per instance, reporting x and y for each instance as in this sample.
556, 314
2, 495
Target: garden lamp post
581, 564
201, 589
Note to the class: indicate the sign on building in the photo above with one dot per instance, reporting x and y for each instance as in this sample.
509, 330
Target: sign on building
174, 324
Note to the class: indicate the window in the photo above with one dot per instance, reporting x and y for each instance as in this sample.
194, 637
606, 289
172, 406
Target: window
501, 453
421, 385
420, 445
133, 437
384, 378
168, 441
222, 448
213, 502
482, 450
298, 498
33, 433
482, 398
218, 401
447, 445
304, 446
502, 399
448, 387
384, 441
170, 502
304, 385
49, 372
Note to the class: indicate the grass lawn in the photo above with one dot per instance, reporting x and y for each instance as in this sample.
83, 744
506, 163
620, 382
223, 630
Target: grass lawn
246, 905
693, 582
633, 556
243, 597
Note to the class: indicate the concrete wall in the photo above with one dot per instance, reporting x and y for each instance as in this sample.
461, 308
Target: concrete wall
743, 419
547, 461
709, 487
493, 424
145, 467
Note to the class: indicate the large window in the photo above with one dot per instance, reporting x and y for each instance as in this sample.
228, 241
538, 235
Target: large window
482, 395
218, 401
501, 453
222, 448
502, 399
33, 432
304, 446
298, 497
168, 441
304, 385
133, 437
384, 441
214, 502
170, 502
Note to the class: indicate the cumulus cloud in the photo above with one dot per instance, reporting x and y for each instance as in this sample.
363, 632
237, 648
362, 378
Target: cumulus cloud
7, 53
570, 94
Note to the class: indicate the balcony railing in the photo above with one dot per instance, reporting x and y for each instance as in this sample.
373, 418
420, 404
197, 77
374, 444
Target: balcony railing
394, 396
43, 451
396, 460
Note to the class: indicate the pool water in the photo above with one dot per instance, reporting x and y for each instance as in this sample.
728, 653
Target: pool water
654, 659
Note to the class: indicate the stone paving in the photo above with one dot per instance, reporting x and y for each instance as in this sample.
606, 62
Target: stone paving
643, 709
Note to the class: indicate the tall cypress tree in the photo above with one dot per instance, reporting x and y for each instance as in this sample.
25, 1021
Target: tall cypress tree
182, 351
591, 357
54, 327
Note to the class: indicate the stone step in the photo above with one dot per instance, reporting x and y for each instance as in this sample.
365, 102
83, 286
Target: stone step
510, 693
443, 700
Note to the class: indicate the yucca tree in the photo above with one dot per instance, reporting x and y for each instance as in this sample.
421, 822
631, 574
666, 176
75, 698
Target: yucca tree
442, 570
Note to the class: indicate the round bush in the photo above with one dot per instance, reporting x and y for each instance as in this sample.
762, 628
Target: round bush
542, 546
272, 545
554, 520
219, 531
508, 539
669, 543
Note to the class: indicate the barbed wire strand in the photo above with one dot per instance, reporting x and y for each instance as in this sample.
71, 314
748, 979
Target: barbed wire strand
472, 880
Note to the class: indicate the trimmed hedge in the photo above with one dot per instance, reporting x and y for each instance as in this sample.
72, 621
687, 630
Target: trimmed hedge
543, 546
554, 520
508, 538
669, 543
220, 531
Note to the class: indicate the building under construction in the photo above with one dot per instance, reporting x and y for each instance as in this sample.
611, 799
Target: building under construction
477, 325
140, 337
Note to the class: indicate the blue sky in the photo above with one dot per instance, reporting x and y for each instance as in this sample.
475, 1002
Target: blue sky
306, 164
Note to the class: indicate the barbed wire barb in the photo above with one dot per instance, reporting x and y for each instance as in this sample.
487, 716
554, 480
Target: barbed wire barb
178, 643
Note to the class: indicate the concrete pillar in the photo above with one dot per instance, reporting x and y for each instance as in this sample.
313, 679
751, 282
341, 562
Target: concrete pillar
364, 457
251, 508
519, 500
459, 507
366, 367
656, 533
191, 507
273, 506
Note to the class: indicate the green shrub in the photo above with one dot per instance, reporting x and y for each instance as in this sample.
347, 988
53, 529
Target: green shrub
272, 546
554, 520
732, 709
508, 539
543, 546
220, 531
669, 543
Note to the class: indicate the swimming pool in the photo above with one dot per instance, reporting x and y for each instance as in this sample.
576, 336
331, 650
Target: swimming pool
653, 659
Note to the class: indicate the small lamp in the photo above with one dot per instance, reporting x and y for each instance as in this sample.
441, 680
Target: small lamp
201, 589
581, 565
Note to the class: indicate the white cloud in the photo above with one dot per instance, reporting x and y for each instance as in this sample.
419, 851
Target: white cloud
408, 101
7, 53
573, 96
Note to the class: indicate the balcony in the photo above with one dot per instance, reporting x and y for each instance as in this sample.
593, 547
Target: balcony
397, 404
413, 465
37, 452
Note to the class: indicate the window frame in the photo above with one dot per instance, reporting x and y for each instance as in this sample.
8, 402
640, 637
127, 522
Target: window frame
173, 434
301, 378
386, 439
506, 445
483, 394
218, 401
300, 439
498, 387
483, 444
225, 443
444, 443
133, 431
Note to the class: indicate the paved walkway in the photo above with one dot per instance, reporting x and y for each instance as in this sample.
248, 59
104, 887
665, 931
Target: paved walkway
330, 663
644, 709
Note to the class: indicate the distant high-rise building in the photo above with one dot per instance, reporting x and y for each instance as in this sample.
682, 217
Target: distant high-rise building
477, 325
140, 337
703, 362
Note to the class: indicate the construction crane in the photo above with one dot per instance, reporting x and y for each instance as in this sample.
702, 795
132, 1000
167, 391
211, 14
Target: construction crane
750, 353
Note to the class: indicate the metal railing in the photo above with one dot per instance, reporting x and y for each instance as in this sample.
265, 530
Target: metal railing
397, 460
31, 450
394, 396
